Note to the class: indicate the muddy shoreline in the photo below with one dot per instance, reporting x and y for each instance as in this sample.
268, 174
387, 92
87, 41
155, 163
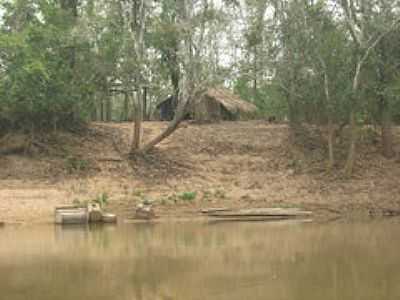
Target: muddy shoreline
228, 164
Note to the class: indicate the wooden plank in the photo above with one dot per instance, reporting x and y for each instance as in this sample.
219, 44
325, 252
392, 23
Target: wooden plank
261, 212
214, 210
276, 219
70, 207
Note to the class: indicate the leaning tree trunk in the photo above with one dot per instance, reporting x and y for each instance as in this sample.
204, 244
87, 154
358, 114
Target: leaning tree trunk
178, 118
189, 86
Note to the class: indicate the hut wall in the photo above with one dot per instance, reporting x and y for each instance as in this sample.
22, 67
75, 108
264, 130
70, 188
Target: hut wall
167, 110
207, 110
228, 115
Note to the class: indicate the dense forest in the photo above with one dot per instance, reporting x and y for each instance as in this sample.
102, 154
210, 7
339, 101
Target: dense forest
329, 65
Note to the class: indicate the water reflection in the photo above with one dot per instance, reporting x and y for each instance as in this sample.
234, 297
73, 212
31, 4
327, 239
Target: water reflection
201, 261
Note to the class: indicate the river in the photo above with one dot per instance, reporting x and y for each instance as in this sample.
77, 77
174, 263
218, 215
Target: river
195, 260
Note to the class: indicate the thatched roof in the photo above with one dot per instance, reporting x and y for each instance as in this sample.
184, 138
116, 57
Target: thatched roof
230, 101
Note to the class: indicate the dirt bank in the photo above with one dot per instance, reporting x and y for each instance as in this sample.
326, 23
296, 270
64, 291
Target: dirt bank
234, 164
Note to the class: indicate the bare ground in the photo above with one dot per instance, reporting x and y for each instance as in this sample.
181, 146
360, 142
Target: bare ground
233, 164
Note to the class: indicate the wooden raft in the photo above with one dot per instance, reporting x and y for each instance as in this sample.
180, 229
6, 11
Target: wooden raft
256, 214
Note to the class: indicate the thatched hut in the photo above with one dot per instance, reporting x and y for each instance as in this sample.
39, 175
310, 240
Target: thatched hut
166, 109
218, 104
215, 104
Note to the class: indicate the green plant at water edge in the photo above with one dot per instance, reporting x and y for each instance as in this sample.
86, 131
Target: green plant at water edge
147, 201
75, 164
102, 200
188, 196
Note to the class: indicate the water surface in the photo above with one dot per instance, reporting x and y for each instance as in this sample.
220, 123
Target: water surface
202, 261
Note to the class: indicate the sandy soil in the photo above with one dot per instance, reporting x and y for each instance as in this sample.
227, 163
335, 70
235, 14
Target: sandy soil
232, 164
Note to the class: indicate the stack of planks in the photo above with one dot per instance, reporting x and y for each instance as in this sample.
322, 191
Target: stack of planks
255, 214
92, 213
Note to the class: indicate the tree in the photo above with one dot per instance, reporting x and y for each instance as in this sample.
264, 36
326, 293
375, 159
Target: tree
365, 39
190, 55
40, 58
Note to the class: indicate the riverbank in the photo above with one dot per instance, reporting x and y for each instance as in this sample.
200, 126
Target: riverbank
229, 164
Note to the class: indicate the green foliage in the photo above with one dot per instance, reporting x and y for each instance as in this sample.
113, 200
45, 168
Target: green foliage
43, 84
57, 64
75, 164
188, 196
102, 200
267, 98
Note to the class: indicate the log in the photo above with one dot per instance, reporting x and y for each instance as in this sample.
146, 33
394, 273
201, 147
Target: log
249, 218
66, 207
110, 159
71, 217
95, 213
109, 218
214, 210
261, 212
273, 219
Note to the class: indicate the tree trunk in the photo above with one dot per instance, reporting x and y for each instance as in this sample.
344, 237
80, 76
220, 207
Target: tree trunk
352, 120
255, 74
126, 107
386, 131
179, 116
352, 147
331, 129
331, 137
187, 90
108, 109
94, 109
102, 109
137, 131
145, 117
